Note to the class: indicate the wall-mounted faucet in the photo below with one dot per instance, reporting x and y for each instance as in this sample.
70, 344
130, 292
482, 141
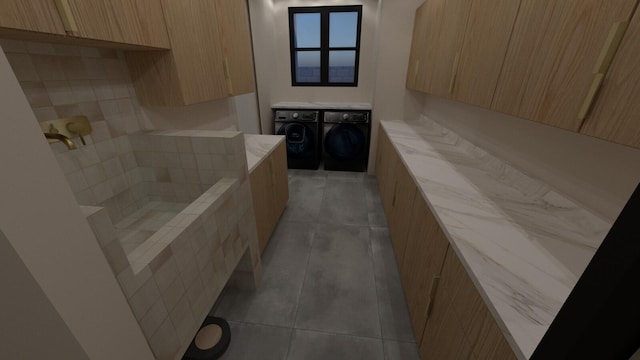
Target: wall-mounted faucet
64, 139
64, 129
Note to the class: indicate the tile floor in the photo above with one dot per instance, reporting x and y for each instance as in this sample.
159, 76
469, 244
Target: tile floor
331, 288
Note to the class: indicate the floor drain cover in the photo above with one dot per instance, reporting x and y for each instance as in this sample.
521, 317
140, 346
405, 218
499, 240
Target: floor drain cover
211, 341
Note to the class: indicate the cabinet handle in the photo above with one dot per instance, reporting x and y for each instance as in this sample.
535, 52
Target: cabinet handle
227, 75
591, 95
416, 70
610, 47
432, 295
454, 73
68, 21
395, 192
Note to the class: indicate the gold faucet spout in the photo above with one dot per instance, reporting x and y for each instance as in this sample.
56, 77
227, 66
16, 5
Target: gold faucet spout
64, 139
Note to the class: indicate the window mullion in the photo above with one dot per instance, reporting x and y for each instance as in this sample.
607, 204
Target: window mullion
324, 44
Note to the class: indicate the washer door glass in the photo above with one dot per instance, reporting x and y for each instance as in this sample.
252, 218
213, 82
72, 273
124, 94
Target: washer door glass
345, 142
299, 138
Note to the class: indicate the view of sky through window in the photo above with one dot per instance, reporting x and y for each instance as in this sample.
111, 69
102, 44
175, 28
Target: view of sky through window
308, 47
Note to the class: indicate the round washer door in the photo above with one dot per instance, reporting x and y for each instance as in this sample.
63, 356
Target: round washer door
345, 142
299, 138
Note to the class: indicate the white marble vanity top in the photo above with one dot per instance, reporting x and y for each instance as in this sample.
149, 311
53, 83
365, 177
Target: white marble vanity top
258, 147
320, 106
523, 244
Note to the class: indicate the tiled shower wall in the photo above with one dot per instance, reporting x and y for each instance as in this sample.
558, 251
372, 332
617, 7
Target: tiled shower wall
61, 81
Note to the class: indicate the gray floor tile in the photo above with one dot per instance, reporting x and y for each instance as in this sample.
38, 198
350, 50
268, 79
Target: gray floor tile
311, 345
394, 350
375, 210
284, 265
251, 342
394, 314
346, 176
305, 198
339, 294
344, 203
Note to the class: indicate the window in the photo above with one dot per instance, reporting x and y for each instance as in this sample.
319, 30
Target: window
325, 45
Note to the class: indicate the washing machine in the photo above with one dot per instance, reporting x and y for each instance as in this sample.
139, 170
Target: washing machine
301, 129
346, 140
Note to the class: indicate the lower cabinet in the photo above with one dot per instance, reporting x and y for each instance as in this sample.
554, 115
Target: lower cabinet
450, 320
270, 191
460, 325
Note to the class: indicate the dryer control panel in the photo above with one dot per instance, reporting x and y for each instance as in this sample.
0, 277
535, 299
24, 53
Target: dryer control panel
353, 117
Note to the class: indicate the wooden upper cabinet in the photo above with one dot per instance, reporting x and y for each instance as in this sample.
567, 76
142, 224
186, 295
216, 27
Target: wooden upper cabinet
616, 112
418, 44
138, 22
198, 68
235, 33
443, 51
35, 15
485, 44
549, 67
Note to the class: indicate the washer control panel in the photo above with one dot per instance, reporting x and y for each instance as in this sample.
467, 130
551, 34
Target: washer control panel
296, 115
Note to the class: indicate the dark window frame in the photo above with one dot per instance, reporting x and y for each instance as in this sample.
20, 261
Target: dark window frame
324, 44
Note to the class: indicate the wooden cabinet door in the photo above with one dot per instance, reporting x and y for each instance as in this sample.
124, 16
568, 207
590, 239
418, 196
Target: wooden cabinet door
402, 208
234, 29
423, 258
387, 163
616, 113
139, 22
478, 325
280, 180
34, 15
451, 17
549, 67
485, 43
418, 45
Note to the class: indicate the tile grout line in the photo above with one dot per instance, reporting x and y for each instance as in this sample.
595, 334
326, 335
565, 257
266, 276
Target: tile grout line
306, 271
375, 280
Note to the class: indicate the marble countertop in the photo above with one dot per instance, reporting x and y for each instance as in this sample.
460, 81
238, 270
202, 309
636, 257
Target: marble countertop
258, 147
523, 244
321, 106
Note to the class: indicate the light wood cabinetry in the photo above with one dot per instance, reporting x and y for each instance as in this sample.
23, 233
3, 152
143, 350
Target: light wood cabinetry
36, 15
616, 113
443, 52
468, 317
485, 43
386, 165
119, 23
423, 257
235, 33
137, 22
549, 67
421, 32
270, 192
404, 194
197, 69
449, 317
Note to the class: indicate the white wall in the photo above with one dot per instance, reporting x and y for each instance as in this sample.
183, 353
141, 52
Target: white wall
248, 113
391, 100
282, 89
598, 174
34, 328
43, 223
263, 33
